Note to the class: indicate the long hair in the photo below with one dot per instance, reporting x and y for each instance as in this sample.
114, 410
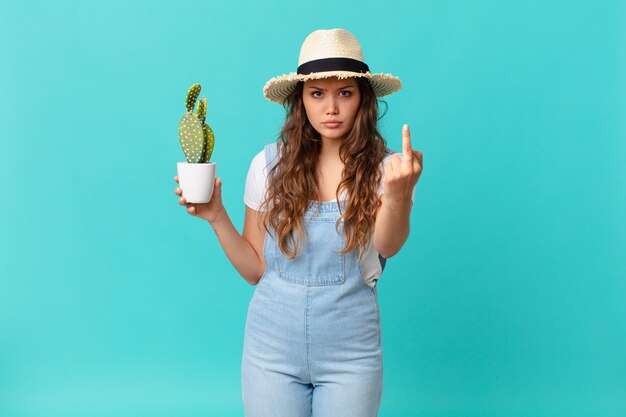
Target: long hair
292, 182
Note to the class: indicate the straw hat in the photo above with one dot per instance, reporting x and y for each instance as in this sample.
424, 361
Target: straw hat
329, 53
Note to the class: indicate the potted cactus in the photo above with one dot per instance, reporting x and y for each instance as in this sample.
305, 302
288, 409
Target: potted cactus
196, 177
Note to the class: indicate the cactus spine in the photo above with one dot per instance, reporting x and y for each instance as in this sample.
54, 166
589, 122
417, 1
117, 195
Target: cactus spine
196, 137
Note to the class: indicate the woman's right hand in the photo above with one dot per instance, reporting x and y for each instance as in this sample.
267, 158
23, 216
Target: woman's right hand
210, 211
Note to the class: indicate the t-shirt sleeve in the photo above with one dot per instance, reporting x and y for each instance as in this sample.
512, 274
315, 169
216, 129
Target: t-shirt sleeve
256, 182
381, 189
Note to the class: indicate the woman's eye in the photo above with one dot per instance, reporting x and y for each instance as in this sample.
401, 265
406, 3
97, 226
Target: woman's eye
347, 93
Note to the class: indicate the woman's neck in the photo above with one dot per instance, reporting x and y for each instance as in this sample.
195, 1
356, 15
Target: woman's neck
329, 169
330, 149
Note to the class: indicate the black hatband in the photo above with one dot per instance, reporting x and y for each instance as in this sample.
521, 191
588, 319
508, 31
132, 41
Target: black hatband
333, 64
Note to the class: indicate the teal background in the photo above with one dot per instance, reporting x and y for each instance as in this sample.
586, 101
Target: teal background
508, 299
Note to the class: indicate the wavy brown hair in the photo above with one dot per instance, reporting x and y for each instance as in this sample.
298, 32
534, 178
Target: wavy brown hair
292, 184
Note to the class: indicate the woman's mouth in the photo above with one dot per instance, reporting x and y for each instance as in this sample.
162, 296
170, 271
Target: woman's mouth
331, 125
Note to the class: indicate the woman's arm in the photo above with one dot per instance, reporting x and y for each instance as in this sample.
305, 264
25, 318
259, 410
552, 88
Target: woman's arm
392, 226
392, 220
245, 251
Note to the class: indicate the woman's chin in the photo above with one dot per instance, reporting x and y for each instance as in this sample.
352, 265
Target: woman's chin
333, 138
333, 134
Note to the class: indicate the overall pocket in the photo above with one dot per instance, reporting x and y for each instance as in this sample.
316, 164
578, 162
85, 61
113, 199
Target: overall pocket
318, 263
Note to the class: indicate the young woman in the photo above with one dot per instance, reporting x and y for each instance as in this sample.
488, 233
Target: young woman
326, 205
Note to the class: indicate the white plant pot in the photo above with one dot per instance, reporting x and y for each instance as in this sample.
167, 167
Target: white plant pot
196, 181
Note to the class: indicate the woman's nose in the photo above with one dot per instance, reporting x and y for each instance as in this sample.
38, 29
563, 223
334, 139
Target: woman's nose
331, 105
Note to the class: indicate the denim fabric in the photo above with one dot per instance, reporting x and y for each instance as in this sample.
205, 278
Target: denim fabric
312, 342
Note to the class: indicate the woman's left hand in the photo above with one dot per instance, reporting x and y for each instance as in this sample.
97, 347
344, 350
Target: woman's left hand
401, 175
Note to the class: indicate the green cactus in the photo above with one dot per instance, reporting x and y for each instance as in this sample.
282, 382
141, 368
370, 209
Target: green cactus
202, 109
208, 132
196, 137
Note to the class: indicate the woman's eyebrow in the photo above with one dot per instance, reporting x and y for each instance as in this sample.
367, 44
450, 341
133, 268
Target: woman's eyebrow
323, 89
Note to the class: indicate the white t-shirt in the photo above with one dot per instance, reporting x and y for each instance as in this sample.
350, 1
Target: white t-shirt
254, 195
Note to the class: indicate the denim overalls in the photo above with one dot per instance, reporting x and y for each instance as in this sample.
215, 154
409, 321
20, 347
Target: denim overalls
312, 342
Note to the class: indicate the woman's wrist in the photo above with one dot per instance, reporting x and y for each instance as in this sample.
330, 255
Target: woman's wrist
220, 218
398, 204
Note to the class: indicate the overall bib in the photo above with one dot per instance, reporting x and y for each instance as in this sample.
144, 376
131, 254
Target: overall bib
312, 342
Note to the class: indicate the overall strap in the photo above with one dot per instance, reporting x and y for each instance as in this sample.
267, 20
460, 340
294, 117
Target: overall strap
383, 262
271, 155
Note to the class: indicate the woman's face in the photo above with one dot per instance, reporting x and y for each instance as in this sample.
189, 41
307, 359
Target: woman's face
331, 99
